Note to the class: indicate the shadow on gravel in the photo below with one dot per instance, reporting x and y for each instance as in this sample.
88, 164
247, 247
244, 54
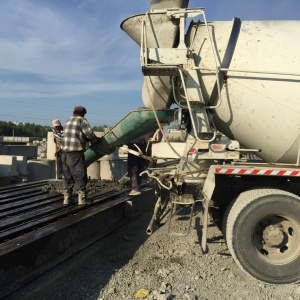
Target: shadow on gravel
199, 230
85, 274
216, 239
222, 253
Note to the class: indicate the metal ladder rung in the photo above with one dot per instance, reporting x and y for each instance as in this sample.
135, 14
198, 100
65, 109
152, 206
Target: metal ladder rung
160, 70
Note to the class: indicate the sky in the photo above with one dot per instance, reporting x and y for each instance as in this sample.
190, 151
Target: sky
55, 54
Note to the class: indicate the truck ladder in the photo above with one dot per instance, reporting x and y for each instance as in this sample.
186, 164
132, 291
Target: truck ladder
179, 62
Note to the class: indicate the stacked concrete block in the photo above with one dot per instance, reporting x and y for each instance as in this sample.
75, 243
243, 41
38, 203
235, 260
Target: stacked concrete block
113, 166
93, 171
8, 166
41, 169
22, 165
51, 147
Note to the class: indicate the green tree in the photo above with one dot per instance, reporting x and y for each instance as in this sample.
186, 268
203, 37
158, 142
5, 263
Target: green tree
25, 130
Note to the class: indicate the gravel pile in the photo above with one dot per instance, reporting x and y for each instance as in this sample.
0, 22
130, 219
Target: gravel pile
176, 268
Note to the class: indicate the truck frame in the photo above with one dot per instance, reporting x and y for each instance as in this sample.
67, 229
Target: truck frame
253, 199
235, 140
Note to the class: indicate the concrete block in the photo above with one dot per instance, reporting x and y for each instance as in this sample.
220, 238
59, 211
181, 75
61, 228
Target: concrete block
22, 165
113, 169
40, 169
51, 147
93, 171
8, 166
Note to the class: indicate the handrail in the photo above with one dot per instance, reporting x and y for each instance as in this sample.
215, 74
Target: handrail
171, 13
213, 49
248, 71
191, 114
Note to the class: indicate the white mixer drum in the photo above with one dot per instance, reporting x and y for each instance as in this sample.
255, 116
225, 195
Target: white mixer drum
260, 110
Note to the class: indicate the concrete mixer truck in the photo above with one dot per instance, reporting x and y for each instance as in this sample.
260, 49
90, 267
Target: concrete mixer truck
231, 90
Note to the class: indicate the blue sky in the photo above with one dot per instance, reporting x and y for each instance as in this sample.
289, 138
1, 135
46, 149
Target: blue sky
55, 54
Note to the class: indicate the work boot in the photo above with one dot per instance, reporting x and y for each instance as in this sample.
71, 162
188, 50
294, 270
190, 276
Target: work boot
134, 192
67, 196
82, 199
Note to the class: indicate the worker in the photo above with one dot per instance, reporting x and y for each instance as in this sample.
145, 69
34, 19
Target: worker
135, 164
57, 130
77, 135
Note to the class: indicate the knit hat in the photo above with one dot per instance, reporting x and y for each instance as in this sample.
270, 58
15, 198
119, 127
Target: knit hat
78, 109
56, 122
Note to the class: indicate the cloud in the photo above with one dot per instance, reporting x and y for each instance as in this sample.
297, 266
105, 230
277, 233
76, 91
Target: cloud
48, 49
50, 42
75, 49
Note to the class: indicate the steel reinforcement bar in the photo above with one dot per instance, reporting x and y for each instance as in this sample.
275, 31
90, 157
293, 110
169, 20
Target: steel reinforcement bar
37, 231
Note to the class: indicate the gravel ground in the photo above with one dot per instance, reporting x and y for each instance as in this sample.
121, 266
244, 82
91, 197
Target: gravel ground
167, 267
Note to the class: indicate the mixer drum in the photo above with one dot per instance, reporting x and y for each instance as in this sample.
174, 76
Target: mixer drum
261, 96
260, 110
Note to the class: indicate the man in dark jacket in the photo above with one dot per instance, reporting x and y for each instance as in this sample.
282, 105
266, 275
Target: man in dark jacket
77, 135
136, 164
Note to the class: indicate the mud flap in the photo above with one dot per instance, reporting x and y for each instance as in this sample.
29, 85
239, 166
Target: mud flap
205, 224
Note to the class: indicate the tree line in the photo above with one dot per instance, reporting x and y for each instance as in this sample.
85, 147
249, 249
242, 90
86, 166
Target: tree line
30, 129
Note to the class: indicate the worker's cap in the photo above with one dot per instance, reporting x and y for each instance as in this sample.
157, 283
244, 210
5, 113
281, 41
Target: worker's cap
56, 123
78, 109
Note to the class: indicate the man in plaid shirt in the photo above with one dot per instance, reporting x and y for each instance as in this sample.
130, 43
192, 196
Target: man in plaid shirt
77, 135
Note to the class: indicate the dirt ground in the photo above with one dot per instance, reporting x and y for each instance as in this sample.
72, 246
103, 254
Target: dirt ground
166, 267
176, 268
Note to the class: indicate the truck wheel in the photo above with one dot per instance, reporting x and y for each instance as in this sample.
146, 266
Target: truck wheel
262, 229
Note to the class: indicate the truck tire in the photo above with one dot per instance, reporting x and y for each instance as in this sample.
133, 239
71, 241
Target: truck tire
262, 232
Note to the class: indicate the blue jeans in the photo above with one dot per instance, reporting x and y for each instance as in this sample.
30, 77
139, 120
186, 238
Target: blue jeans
74, 170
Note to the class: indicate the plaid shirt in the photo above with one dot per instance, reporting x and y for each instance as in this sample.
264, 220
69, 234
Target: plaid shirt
77, 131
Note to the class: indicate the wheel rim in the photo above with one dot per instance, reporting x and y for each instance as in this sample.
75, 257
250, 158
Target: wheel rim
276, 239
